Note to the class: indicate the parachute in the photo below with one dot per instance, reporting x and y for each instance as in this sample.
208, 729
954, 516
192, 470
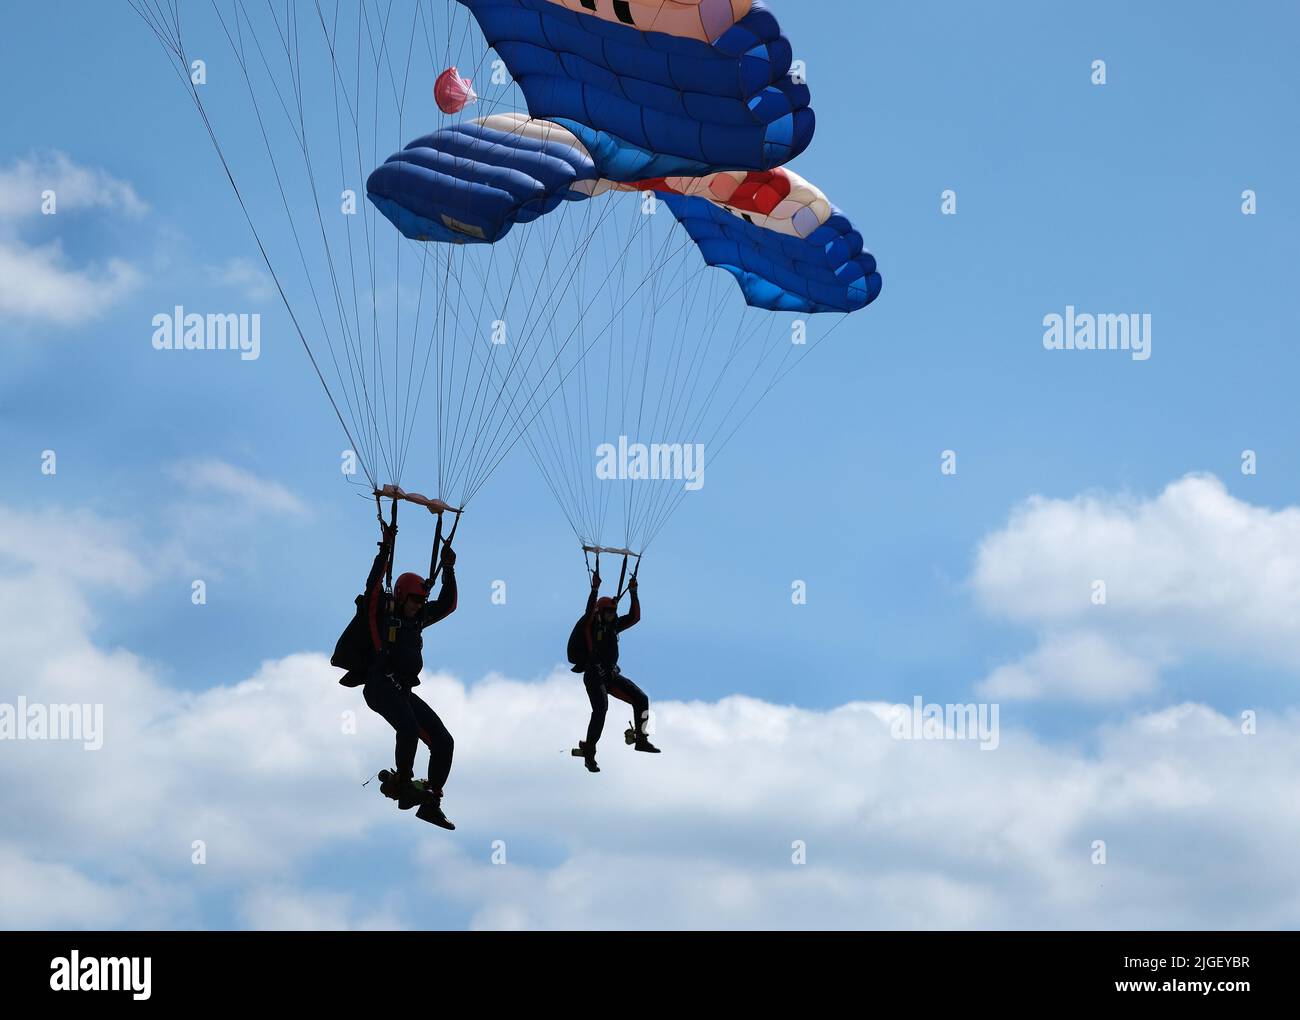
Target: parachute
787, 246
534, 293
422, 350
657, 87
452, 92
472, 182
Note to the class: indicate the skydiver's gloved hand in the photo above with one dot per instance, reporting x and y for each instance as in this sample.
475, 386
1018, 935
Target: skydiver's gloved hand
631, 584
448, 556
390, 536
595, 581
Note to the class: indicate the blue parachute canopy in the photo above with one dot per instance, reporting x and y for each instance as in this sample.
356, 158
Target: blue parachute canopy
787, 246
470, 183
651, 103
827, 271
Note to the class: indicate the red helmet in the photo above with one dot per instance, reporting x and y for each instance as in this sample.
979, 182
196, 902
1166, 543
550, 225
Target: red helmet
606, 604
407, 585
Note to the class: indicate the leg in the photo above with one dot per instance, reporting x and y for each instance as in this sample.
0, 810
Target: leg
625, 690
594, 681
386, 698
436, 738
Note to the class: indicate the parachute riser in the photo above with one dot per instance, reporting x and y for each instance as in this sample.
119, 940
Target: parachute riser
392, 524
636, 568
624, 582
435, 565
436, 507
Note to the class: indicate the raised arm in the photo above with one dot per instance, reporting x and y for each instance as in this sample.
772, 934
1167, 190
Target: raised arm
375, 585
445, 604
381, 562
633, 616
591, 613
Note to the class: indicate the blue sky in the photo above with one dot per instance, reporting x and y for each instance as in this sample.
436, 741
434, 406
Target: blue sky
1117, 198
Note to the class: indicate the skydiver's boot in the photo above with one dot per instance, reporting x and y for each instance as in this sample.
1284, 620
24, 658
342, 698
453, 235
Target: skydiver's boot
406, 791
588, 756
431, 811
389, 783
415, 791
639, 741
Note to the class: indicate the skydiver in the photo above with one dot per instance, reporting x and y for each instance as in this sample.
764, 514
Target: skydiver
396, 634
600, 628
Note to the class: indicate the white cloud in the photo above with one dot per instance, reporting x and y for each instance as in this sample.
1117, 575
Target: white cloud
1190, 571
211, 509
76, 187
55, 558
283, 908
266, 772
36, 894
39, 282
252, 492
1079, 665
248, 277
69, 547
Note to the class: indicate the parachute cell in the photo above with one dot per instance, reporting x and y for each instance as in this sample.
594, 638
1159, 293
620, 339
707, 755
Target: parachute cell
658, 87
472, 182
788, 247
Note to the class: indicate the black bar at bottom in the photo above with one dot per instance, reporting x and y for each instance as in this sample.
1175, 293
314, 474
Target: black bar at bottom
939, 969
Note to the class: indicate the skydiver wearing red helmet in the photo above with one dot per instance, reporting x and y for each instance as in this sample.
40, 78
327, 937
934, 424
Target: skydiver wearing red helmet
396, 628
600, 673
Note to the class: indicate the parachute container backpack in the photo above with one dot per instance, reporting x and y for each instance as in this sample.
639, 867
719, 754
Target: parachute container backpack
577, 649
355, 652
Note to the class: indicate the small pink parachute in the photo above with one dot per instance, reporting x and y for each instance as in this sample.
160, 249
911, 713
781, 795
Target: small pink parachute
453, 92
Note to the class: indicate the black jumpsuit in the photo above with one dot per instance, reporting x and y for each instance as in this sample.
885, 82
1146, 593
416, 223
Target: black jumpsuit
388, 690
602, 677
